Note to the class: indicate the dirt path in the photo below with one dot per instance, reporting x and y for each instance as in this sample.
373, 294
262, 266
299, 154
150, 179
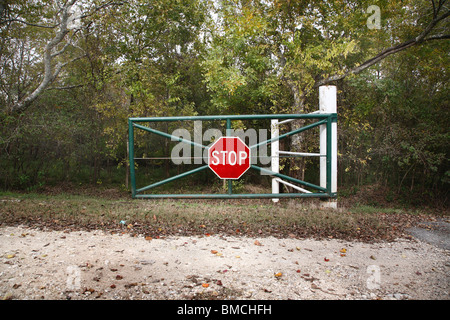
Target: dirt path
96, 265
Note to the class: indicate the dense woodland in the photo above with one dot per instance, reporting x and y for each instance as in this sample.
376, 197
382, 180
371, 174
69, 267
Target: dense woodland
72, 72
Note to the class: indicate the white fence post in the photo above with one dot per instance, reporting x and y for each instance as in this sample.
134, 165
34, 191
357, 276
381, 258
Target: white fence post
274, 152
328, 104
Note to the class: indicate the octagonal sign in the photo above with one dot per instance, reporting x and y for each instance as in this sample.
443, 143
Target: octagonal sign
229, 157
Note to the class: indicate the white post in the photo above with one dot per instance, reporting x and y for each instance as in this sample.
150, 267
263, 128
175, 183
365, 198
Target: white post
275, 147
328, 104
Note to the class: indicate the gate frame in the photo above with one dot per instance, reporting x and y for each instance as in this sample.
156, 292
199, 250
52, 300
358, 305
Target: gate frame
326, 121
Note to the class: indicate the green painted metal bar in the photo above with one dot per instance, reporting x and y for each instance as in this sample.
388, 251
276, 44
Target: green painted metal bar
324, 192
131, 157
174, 138
172, 178
235, 195
329, 150
228, 133
280, 175
290, 133
236, 117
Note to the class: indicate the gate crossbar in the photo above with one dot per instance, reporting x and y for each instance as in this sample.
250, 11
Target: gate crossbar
324, 119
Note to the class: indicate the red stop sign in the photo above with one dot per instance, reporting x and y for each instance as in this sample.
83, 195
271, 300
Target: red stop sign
229, 157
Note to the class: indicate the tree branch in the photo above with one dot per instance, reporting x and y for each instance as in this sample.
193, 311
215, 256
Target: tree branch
52, 71
66, 87
65, 46
28, 23
422, 37
49, 76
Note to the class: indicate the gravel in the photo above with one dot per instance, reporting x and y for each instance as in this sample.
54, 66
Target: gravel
36, 264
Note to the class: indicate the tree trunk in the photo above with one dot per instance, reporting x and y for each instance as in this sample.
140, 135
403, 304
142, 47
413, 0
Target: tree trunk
297, 165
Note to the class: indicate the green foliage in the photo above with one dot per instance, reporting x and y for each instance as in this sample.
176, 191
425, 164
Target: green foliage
170, 57
393, 120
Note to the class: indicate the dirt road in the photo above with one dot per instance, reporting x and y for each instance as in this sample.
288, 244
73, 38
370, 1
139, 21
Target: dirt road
38, 264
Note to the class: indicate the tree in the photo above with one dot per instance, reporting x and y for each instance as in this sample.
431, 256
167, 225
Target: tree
392, 124
303, 45
54, 27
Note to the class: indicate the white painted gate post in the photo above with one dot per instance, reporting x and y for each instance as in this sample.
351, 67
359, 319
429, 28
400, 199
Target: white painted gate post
328, 104
275, 159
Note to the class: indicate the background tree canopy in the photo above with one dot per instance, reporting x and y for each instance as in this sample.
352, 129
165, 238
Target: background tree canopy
72, 72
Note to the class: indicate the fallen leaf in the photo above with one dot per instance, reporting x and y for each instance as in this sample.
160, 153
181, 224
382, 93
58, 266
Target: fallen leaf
8, 296
326, 260
373, 258
298, 248
257, 243
214, 251
298, 271
207, 234
343, 250
205, 285
202, 226
119, 277
10, 256
148, 238
278, 275
129, 285
90, 290
219, 283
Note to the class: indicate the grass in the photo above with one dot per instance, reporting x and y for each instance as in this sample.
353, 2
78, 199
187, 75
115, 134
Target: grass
159, 218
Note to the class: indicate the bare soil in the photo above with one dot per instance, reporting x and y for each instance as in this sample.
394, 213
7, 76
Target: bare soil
76, 264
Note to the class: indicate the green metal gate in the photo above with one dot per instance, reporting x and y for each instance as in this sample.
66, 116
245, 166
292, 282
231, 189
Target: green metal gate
322, 119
